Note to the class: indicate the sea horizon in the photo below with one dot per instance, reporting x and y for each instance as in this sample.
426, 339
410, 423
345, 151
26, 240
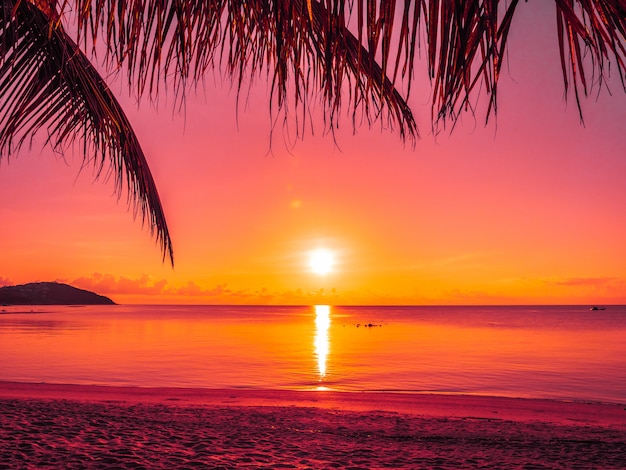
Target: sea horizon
348, 305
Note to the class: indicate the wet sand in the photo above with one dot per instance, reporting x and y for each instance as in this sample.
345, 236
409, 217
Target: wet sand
75, 426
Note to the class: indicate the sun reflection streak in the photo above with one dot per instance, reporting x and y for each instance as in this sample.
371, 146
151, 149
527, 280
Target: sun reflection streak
321, 342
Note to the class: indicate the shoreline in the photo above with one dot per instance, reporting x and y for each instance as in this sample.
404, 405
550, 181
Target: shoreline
91, 426
425, 404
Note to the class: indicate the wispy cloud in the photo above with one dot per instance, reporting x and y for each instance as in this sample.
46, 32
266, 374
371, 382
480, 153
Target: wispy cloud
5, 281
145, 288
587, 281
614, 288
108, 284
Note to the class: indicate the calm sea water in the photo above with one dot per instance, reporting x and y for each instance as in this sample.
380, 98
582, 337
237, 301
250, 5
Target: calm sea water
542, 352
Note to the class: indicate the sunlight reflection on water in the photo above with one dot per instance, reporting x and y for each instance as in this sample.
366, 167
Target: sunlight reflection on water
321, 342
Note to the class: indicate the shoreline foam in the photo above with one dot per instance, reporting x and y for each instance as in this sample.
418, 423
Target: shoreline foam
88, 426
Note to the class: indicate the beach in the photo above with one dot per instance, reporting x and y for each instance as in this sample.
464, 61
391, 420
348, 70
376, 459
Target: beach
84, 426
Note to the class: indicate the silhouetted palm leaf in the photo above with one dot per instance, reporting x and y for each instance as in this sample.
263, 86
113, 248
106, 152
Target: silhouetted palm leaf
309, 45
47, 82
352, 54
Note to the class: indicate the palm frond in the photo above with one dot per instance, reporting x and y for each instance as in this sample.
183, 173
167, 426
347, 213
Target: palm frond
358, 55
596, 27
303, 47
47, 83
306, 46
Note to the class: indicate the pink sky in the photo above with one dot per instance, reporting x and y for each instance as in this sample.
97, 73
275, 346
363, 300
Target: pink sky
529, 209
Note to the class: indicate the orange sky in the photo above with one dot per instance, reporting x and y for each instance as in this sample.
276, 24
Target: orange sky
529, 209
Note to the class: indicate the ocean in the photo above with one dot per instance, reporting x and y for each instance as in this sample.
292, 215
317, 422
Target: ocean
557, 352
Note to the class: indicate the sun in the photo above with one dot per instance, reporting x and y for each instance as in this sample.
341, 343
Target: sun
321, 261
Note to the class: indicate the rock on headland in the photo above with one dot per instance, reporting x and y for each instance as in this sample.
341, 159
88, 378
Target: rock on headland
50, 293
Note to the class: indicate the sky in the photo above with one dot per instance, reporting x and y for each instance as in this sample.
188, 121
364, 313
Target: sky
528, 209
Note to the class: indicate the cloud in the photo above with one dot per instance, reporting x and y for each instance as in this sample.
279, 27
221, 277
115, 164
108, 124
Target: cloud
458, 296
611, 287
585, 281
110, 284
5, 281
145, 285
194, 290
148, 289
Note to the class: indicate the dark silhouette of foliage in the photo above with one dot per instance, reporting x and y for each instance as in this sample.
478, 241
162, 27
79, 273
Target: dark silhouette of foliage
357, 55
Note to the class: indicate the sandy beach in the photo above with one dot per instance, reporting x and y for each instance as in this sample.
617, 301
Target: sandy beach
74, 426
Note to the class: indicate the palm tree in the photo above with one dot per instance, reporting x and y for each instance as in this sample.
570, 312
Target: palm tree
358, 54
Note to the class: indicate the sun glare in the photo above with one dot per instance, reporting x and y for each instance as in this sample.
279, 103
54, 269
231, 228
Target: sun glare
321, 261
321, 342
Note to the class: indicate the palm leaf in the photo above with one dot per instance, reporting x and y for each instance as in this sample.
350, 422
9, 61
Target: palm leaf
47, 83
306, 46
301, 46
355, 55
598, 27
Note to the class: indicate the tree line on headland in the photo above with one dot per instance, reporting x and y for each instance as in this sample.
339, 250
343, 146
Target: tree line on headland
50, 293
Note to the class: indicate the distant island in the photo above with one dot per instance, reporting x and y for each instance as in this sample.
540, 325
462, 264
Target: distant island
50, 293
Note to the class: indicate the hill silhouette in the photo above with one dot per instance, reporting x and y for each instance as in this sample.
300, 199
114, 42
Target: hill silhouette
50, 293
